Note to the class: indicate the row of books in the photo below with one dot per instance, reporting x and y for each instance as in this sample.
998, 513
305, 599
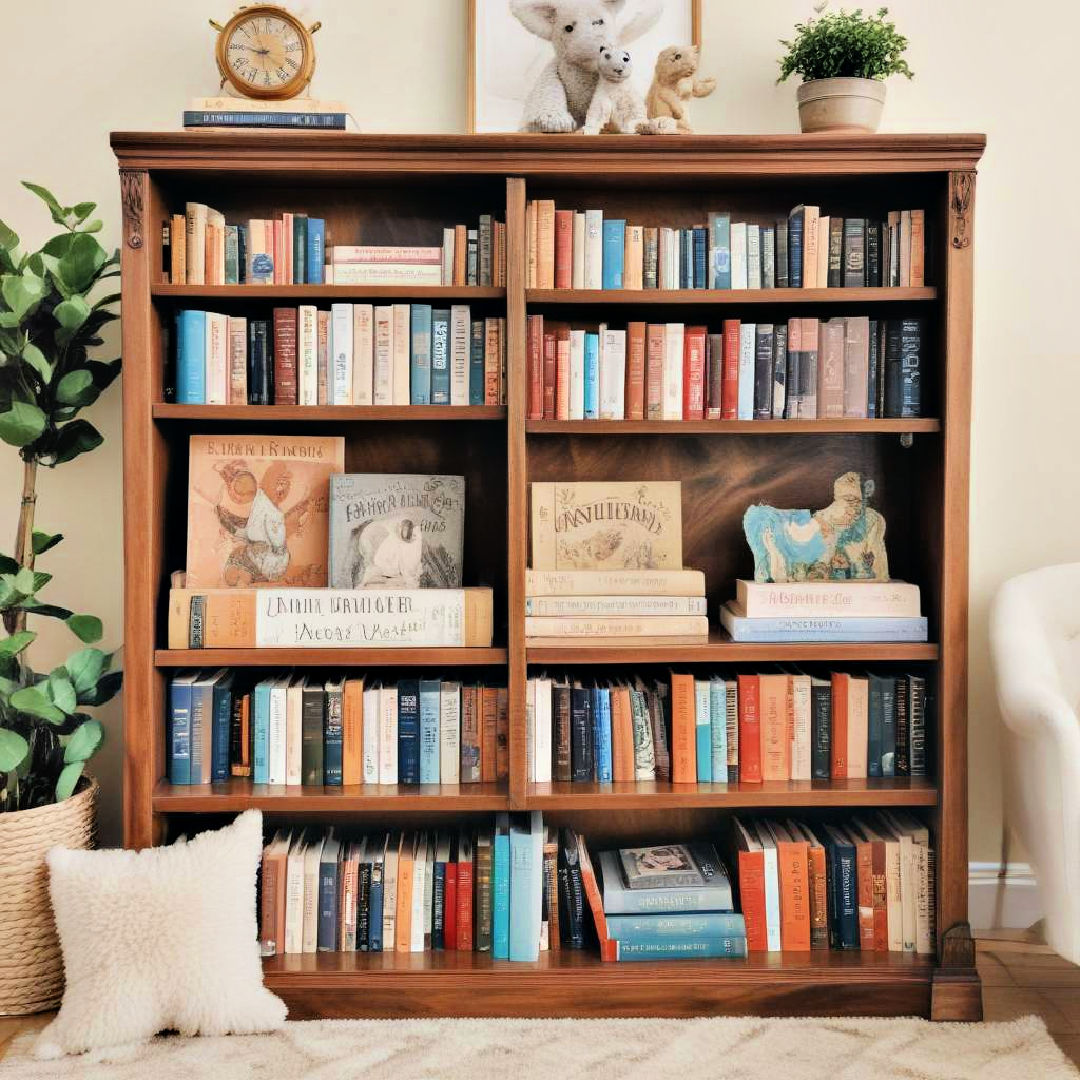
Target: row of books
749, 728
351, 354
409, 892
344, 731
200, 248
584, 249
847, 366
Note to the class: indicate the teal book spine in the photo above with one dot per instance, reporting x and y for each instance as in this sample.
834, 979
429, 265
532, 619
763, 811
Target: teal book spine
191, 357
656, 929
718, 729
613, 251
592, 376
429, 730
260, 734
316, 251
420, 354
180, 732
299, 249
720, 249
232, 255
677, 949
703, 731
476, 362
440, 356
221, 724
602, 729
500, 926
526, 888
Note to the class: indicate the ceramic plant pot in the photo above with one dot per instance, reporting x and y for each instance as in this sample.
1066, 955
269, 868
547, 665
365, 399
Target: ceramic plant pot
841, 104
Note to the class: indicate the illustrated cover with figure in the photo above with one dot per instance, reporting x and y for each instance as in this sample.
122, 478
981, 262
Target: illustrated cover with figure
258, 512
396, 530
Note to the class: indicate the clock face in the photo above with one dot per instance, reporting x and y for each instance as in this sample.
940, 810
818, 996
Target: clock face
266, 55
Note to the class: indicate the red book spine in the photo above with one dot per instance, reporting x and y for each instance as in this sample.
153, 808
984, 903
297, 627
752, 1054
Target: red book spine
749, 730
752, 899
635, 371
729, 386
464, 907
450, 908
880, 893
535, 346
654, 371
838, 765
562, 372
284, 356
694, 373
549, 374
564, 249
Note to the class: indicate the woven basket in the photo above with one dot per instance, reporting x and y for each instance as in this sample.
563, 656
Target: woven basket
31, 966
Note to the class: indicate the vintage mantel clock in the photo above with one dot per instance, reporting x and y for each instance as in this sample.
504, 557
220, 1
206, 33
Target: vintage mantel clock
265, 52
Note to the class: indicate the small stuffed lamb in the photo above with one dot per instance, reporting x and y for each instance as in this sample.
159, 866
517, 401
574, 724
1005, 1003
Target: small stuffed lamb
616, 106
577, 29
674, 83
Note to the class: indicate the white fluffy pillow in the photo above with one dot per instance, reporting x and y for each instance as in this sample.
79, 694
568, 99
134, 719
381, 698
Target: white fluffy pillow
160, 938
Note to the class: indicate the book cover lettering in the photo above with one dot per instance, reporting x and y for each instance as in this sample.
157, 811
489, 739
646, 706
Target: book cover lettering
258, 510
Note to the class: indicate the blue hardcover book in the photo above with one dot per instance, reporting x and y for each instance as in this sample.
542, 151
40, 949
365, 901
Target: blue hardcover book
420, 354
842, 882
440, 356
874, 724
500, 889
701, 257
429, 730
684, 926
409, 731
329, 880
196, 118
720, 248
613, 251
476, 362
315, 256
706, 948
260, 363
202, 715
592, 376
191, 357
703, 730
526, 887
180, 729
333, 734
602, 733
796, 220
260, 733
375, 900
619, 900
241, 254
299, 248
718, 729
823, 628
220, 726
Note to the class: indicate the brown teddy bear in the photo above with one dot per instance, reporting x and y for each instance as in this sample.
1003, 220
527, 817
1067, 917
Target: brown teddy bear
674, 83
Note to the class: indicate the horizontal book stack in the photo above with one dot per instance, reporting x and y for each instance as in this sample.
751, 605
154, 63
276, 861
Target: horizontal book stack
233, 112
844, 367
406, 892
296, 730
351, 354
584, 249
847, 611
867, 884
667, 902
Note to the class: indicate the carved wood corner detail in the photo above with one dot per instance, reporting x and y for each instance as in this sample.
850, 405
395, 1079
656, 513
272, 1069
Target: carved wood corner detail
131, 196
962, 188
958, 947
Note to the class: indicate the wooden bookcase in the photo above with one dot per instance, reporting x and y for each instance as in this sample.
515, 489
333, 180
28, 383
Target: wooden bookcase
402, 189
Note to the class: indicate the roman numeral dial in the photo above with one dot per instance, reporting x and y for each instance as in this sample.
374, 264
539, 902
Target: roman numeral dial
265, 52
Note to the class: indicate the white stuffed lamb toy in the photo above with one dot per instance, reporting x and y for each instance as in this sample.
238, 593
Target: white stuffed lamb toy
616, 106
577, 30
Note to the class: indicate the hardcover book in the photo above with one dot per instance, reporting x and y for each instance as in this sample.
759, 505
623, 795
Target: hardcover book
668, 866
396, 531
257, 510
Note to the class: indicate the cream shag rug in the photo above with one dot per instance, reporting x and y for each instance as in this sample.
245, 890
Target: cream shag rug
717, 1049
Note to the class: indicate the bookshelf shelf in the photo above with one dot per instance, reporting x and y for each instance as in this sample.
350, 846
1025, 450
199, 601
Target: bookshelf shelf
358, 183
728, 297
332, 413
730, 427
237, 795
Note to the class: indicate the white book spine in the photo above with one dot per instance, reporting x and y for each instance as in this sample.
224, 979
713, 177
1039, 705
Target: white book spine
738, 255
542, 753
373, 721
530, 730
448, 256
217, 359
801, 728
450, 733
294, 901
311, 897
294, 736
388, 273
307, 355
671, 402
388, 735
703, 714
459, 354
577, 277
419, 872
753, 256
195, 242
400, 354
577, 374
238, 336
390, 866
277, 731
747, 340
363, 353
923, 943
592, 263
613, 374
772, 895
341, 353
383, 372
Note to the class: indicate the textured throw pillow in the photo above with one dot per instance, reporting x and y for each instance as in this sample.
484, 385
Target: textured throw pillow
164, 938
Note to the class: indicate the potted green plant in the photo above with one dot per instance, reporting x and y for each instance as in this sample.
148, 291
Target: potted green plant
51, 317
844, 58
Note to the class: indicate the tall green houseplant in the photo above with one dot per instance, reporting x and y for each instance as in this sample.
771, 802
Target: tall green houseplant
52, 313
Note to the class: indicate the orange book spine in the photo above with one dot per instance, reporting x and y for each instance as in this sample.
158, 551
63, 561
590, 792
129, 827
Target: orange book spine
403, 918
545, 244
489, 734
694, 373
635, 371
819, 898
461, 249
791, 858
634, 257
564, 249
864, 882
775, 699
917, 271
654, 367
535, 351
352, 733
269, 938
729, 377
683, 730
562, 372
752, 899
592, 893
838, 765
749, 729
502, 733
622, 737
880, 896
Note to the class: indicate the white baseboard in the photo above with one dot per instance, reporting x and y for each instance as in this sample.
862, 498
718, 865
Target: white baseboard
1002, 901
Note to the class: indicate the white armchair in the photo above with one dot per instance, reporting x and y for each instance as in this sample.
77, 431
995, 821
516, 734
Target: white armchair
1035, 643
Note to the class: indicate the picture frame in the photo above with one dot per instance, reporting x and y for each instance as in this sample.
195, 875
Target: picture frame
503, 54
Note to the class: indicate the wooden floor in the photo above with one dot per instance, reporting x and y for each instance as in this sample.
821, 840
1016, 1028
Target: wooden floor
1020, 976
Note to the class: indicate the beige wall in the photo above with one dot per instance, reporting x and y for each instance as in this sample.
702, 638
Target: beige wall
74, 71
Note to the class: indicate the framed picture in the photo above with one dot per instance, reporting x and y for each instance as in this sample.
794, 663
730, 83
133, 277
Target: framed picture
505, 59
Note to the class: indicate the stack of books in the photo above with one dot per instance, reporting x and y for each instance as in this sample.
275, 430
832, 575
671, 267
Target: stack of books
845, 611
295, 113
667, 902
